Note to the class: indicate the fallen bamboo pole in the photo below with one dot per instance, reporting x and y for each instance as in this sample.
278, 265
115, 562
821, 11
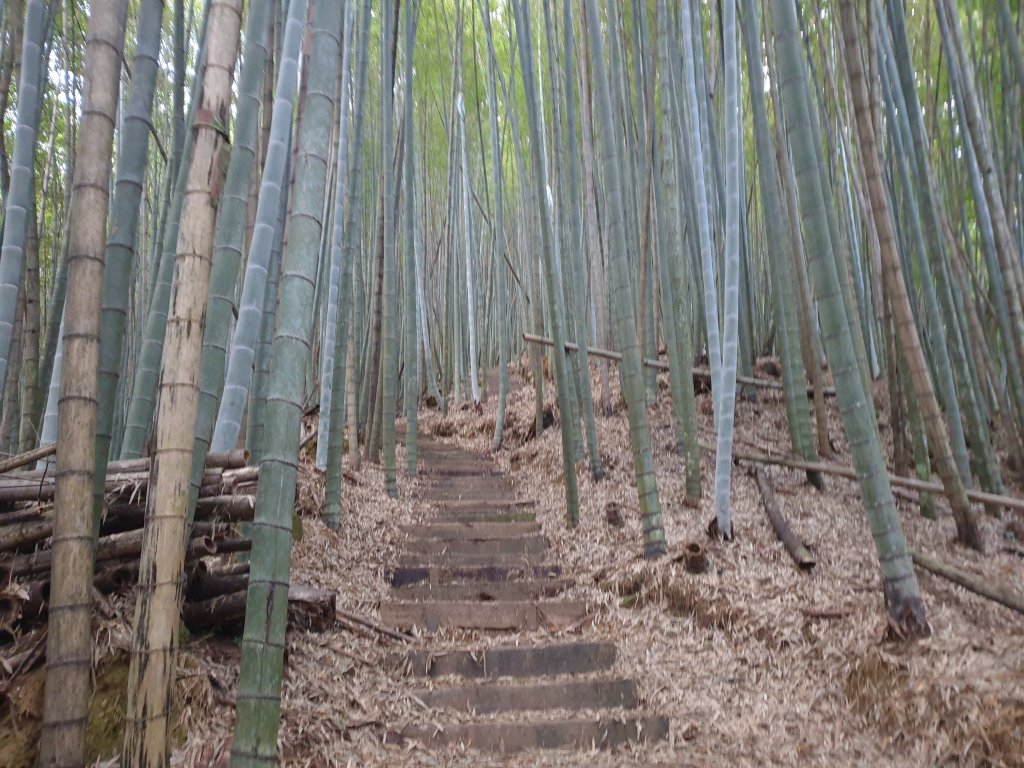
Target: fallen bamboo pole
698, 375
354, 618
976, 584
223, 509
228, 460
910, 483
122, 518
43, 489
309, 608
796, 549
29, 457
116, 546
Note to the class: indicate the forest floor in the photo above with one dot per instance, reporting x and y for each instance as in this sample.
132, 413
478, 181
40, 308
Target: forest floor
756, 662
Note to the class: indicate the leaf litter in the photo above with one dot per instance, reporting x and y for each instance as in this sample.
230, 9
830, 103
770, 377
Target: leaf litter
755, 662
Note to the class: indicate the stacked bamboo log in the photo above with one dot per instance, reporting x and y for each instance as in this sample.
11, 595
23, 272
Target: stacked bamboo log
215, 581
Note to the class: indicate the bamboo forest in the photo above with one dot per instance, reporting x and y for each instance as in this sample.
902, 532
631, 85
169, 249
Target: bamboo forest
511, 383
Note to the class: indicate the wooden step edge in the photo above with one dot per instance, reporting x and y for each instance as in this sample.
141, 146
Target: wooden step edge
493, 697
519, 736
450, 574
505, 615
470, 531
526, 589
513, 661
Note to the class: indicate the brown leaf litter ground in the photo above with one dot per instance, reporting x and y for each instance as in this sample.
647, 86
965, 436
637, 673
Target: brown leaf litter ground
755, 662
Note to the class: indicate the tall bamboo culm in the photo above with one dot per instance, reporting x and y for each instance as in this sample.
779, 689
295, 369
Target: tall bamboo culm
158, 602
630, 370
259, 686
69, 633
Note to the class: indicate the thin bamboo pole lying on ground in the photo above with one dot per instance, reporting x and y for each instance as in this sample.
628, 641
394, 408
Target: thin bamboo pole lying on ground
698, 375
968, 581
796, 549
976, 584
848, 472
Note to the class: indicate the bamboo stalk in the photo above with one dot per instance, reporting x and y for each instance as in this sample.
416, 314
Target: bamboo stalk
215, 481
308, 607
979, 585
236, 462
118, 545
223, 509
22, 531
43, 489
208, 584
848, 472
796, 549
698, 375
29, 457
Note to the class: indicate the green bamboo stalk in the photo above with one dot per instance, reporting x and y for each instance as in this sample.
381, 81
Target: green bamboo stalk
259, 689
498, 229
673, 288
410, 397
524, 36
630, 373
142, 404
781, 268
18, 201
389, 283
346, 240
124, 225
334, 309
250, 309
254, 434
576, 264
692, 128
731, 277
902, 594
230, 233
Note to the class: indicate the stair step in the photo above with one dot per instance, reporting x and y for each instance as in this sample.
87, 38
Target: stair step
526, 545
484, 504
428, 560
554, 734
510, 615
468, 481
561, 659
440, 574
463, 470
498, 517
471, 531
576, 694
501, 590
489, 496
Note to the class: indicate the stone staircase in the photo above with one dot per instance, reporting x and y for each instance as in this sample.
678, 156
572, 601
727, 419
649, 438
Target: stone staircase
479, 562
